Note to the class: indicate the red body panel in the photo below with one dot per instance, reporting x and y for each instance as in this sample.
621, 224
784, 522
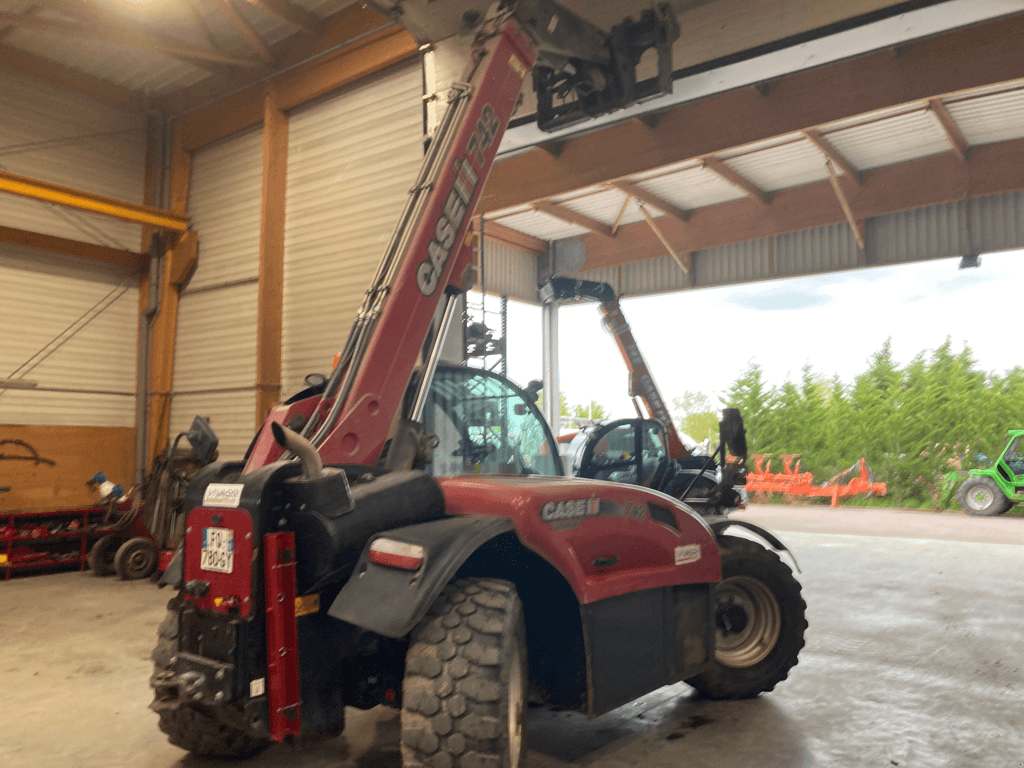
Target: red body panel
282, 636
227, 590
604, 540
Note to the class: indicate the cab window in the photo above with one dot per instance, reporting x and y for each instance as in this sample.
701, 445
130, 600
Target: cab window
485, 424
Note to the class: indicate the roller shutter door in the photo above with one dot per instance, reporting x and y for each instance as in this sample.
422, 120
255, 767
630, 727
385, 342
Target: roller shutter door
71, 328
215, 352
69, 324
351, 161
68, 138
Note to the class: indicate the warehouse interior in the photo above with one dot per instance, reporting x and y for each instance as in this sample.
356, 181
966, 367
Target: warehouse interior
195, 194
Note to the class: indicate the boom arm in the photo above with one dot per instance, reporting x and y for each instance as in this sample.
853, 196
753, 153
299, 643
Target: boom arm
428, 258
641, 382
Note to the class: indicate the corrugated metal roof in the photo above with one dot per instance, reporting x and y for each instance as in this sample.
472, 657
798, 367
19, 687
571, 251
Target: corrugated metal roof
694, 187
149, 71
792, 164
605, 205
998, 117
541, 225
898, 139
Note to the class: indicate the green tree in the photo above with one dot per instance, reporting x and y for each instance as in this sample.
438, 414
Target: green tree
695, 415
591, 410
753, 397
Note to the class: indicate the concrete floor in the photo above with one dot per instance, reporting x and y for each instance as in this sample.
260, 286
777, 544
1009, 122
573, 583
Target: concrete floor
914, 657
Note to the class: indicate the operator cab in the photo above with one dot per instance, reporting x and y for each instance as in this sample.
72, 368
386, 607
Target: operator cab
486, 424
631, 451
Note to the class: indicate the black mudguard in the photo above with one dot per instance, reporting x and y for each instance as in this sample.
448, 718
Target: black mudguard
391, 601
719, 524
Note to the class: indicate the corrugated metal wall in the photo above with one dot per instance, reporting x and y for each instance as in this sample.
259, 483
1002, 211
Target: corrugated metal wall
509, 272
351, 161
68, 138
46, 298
933, 232
215, 354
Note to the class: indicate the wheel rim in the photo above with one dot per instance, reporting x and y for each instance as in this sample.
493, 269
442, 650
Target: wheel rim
749, 622
139, 561
981, 498
515, 706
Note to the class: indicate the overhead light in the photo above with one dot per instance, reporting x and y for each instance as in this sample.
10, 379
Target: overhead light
970, 260
18, 384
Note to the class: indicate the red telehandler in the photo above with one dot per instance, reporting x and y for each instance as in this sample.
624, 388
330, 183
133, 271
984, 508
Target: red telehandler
711, 488
329, 569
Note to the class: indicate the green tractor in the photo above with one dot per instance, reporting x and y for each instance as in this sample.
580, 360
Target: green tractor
993, 490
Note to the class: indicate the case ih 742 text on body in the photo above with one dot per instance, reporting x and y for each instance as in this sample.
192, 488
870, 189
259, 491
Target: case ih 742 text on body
330, 569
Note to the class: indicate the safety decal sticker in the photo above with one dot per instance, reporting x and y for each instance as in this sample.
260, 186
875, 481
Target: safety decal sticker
689, 553
257, 687
222, 495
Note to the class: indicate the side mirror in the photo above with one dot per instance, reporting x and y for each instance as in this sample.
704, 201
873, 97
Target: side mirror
203, 439
732, 434
534, 387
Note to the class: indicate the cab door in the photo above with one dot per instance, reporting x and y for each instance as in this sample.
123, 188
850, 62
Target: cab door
1011, 465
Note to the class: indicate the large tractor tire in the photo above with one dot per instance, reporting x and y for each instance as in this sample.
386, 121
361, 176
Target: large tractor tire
759, 613
982, 497
465, 680
191, 728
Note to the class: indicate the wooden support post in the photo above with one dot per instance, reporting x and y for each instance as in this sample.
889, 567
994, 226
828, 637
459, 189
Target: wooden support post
831, 153
161, 374
270, 301
727, 173
954, 135
573, 217
855, 225
664, 240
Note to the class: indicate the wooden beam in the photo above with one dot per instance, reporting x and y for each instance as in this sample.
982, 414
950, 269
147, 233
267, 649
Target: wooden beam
163, 334
715, 165
244, 109
130, 39
299, 17
831, 153
572, 217
994, 169
664, 240
270, 299
635, 190
501, 234
87, 201
855, 225
31, 65
72, 247
953, 133
947, 64
247, 33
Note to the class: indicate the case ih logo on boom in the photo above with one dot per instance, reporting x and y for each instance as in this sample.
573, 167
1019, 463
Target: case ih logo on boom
456, 207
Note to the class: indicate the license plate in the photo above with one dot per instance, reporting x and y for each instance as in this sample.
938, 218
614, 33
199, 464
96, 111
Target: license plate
218, 550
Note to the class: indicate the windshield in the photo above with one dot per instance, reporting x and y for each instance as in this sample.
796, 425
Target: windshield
485, 424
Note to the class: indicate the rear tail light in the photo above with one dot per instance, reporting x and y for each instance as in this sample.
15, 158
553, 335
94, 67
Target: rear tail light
397, 554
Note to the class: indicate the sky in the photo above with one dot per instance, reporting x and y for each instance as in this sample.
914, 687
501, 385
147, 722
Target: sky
703, 340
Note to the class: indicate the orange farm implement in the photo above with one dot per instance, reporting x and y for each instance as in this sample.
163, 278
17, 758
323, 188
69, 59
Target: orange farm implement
793, 482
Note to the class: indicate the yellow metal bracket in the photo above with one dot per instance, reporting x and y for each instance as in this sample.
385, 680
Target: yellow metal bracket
87, 201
